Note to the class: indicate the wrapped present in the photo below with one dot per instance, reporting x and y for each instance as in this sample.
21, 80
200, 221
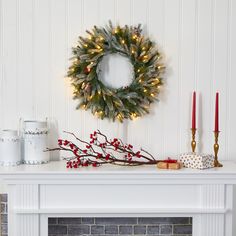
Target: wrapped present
197, 161
169, 164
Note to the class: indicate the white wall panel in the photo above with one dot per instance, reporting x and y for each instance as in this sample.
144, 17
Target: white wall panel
231, 98
196, 36
26, 86
205, 70
10, 65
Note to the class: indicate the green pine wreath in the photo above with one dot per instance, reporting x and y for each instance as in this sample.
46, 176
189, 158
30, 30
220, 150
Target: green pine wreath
126, 102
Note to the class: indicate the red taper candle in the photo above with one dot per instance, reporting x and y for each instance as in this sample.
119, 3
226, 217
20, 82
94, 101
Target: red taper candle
217, 113
194, 111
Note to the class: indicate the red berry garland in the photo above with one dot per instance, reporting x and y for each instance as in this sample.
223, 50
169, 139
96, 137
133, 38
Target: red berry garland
101, 150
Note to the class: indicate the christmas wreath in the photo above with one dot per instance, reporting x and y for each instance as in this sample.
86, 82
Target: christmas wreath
126, 102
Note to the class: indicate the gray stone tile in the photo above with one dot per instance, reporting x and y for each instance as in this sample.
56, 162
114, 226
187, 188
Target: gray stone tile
140, 229
4, 228
163, 220
3, 208
88, 220
57, 229
4, 218
78, 230
125, 229
111, 229
3, 197
182, 229
69, 221
116, 221
52, 221
153, 229
97, 229
166, 229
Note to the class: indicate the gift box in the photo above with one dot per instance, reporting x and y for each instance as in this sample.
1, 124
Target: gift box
197, 161
169, 164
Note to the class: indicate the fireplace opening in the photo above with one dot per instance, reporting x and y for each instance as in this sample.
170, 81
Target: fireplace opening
120, 226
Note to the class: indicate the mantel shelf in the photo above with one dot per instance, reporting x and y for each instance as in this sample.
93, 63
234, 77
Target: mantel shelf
59, 167
56, 172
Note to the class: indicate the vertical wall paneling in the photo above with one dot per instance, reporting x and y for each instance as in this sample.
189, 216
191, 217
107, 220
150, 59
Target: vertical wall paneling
9, 80
1, 64
58, 58
232, 75
228, 73
26, 102
171, 88
124, 9
186, 73
156, 24
220, 71
204, 82
41, 61
197, 40
74, 30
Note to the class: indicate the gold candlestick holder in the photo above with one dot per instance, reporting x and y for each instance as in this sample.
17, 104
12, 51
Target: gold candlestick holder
216, 149
193, 142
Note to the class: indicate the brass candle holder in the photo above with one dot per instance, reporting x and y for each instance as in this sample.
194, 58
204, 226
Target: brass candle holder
216, 149
193, 142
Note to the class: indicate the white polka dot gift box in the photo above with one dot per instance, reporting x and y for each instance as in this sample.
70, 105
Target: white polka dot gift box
197, 161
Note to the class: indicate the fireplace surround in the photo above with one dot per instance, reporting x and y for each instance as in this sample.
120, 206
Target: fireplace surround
37, 193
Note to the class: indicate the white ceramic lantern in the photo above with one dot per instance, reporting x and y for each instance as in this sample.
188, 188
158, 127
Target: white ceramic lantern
10, 154
35, 134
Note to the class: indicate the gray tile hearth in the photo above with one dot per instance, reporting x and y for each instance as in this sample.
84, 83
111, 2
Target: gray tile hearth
147, 226
110, 226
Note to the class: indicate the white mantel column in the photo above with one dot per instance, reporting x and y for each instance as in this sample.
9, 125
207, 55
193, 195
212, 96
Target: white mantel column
218, 197
23, 196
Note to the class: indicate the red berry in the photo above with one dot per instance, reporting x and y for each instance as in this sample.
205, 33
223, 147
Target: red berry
108, 156
72, 146
88, 146
84, 151
59, 142
66, 142
94, 164
99, 155
75, 151
130, 146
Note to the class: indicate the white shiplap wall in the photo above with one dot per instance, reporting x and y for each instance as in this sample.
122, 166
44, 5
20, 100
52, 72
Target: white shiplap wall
197, 36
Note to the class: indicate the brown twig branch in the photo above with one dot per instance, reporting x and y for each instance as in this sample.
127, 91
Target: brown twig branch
97, 152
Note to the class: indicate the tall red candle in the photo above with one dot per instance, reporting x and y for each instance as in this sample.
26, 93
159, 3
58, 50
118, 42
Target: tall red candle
217, 113
194, 111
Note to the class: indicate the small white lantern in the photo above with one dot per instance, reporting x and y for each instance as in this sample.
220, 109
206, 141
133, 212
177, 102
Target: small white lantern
35, 134
10, 154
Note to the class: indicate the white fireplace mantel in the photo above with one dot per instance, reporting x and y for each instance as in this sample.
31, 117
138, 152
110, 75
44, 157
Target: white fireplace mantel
39, 192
